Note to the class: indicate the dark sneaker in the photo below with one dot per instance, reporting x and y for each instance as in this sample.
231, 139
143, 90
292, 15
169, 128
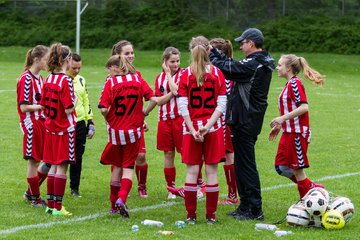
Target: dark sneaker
238, 210
27, 197
211, 221
75, 193
248, 215
38, 203
190, 221
120, 206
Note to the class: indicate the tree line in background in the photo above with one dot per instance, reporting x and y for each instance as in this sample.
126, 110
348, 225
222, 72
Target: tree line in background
288, 25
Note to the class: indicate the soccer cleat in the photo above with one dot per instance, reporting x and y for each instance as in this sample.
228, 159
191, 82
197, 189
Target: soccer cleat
190, 221
113, 212
75, 193
142, 191
176, 191
61, 212
211, 221
171, 196
38, 203
120, 206
49, 210
27, 197
229, 201
318, 185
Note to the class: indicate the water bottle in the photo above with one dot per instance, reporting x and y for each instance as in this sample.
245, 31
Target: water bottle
282, 233
152, 223
134, 228
263, 226
180, 224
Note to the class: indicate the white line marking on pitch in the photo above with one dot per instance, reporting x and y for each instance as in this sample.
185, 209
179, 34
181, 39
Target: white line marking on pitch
162, 205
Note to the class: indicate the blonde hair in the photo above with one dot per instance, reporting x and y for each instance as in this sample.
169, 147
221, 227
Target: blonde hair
299, 64
199, 40
123, 65
223, 45
199, 58
38, 51
58, 54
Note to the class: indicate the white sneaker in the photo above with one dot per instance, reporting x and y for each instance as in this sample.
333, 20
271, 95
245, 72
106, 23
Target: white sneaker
171, 196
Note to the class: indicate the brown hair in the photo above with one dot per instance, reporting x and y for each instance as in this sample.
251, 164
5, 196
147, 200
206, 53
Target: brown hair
223, 45
299, 64
117, 47
39, 51
123, 65
58, 54
170, 51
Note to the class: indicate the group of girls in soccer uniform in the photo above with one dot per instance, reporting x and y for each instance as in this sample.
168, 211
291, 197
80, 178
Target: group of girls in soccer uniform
191, 121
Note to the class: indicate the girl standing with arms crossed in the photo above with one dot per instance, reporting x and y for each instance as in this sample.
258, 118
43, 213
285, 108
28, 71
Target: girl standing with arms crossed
29, 94
59, 103
122, 107
291, 157
202, 102
126, 49
225, 47
169, 134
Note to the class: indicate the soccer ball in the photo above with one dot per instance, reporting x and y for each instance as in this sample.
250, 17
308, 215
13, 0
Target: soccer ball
297, 215
345, 206
315, 221
323, 191
316, 203
333, 219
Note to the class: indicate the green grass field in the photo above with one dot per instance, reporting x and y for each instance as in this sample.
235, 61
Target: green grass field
334, 156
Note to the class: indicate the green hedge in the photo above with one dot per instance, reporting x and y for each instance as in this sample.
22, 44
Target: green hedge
155, 29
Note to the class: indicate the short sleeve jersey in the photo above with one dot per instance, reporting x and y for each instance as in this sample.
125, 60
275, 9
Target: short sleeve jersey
29, 92
291, 97
124, 94
58, 95
169, 110
202, 101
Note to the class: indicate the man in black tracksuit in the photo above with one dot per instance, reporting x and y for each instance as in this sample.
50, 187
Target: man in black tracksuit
245, 112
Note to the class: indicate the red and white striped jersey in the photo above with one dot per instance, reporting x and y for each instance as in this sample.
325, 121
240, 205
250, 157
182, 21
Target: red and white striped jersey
58, 95
29, 90
202, 101
169, 110
124, 94
291, 98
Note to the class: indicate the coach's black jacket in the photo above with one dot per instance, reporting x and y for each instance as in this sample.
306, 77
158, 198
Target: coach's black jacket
247, 101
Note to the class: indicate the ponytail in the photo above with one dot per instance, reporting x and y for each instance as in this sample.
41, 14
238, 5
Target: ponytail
199, 61
299, 64
38, 51
225, 46
58, 54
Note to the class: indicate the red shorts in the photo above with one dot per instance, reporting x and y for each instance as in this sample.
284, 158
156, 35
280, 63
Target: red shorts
169, 135
213, 148
142, 148
122, 156
33, 141
292, 151
59, 148
228, 142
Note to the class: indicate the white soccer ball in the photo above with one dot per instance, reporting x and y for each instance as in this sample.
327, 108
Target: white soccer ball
315, 221
317, 190
297, 215
345, 206
316, 203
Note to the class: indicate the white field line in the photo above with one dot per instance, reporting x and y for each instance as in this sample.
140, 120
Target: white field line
162, 205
